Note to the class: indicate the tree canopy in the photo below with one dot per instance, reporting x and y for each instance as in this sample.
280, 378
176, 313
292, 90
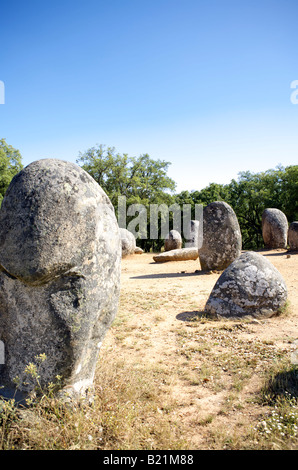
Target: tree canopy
250, 195
143, 180
10, 165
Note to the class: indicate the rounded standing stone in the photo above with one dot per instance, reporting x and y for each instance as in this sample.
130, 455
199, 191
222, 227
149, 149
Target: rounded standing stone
128, 242
274, 228
250, 286
173, 241
293, 236
60, 257
222, 239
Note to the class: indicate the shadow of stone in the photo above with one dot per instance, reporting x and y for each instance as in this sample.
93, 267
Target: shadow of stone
282, 385
195, 315
169, 275
282, 253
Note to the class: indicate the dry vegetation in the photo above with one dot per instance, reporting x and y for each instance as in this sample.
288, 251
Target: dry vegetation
171, 378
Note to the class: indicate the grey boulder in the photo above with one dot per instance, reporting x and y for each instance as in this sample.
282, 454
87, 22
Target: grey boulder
274, 228
222, 239
60, 257
173, 241
128, 242
293, 236
250, 287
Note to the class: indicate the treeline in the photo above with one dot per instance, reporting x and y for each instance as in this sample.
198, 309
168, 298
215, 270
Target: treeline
249, 196
143, 180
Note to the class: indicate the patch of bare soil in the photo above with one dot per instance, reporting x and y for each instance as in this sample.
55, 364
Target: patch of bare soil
210, 371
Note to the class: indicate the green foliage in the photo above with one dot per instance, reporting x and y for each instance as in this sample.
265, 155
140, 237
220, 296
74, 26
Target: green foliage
144, 181
249, 196
141, 180
10, 165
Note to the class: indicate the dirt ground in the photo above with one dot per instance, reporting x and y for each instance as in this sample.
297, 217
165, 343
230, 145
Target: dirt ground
160, 303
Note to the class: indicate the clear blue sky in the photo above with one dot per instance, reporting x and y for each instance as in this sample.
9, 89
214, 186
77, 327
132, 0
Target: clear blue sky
204, 84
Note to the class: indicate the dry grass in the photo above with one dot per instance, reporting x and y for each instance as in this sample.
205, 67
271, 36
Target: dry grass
170, 378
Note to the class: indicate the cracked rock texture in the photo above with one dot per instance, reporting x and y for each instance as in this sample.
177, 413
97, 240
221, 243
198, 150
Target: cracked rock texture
222, 239
60, 257
274, 228
250, 286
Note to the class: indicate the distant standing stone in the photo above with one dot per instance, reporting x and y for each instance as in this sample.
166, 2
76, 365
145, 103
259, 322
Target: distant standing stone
60, 259
173, 241
194, 240
250, 286
293, 236
222, 239
274, 228
128, 242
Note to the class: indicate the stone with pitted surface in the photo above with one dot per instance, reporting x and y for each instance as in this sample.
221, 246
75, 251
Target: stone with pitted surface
60, 257
293, 236
274, 228
250, 287
222, 239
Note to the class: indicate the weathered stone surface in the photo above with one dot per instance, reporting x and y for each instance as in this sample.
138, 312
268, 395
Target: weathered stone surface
250, 286
194, 236
274, 228
173, 241
182, 254
128, 242
293, 236
222, 239
60, 257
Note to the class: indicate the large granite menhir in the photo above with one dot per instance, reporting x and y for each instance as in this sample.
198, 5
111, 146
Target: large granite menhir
274, 228
222, 239
60, 255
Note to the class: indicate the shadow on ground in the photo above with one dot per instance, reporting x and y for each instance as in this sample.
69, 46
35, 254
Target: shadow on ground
170, 275
195, 315
282, 385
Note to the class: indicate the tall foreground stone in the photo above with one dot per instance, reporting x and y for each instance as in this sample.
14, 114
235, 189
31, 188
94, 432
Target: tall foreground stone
222, 239
60, 257
274, 228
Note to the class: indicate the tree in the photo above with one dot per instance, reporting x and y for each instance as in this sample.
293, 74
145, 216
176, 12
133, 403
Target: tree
141, 180
249, 196
10, 165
